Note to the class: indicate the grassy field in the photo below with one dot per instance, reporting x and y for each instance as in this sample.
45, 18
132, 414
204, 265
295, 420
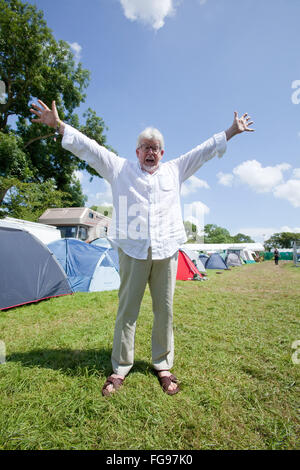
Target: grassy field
233, 357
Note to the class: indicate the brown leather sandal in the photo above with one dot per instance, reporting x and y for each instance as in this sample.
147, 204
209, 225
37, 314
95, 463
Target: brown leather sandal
115, 382
165, 382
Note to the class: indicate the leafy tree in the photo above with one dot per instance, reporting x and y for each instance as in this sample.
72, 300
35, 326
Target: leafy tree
190, 230
242, 238
13, 162
28, 201
34, 64
281, 240
215, 234
105, 210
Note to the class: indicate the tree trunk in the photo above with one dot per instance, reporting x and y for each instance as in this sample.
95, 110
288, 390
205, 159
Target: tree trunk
3, 194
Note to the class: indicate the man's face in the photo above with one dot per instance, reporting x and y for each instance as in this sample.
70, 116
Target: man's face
149, 155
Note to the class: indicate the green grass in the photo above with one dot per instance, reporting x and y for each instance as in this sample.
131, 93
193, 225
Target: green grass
233, 337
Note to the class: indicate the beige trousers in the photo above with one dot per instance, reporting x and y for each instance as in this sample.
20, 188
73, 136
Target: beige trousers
135, 274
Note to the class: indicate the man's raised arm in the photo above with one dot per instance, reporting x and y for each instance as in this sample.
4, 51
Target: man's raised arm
106, 163
190, 162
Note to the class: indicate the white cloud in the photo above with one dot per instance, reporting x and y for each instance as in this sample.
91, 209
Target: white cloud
290, 190
226, 179
266, 179
101, 198
260, 179
150, 12
76, 49
296, 173
192, 185
104, 198
286, 228
260, 234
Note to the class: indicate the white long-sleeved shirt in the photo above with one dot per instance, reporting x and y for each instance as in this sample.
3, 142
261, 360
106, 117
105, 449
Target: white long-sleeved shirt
147, 210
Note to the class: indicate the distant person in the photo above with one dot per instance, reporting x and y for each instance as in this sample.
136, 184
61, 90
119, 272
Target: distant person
147, 243
276, 256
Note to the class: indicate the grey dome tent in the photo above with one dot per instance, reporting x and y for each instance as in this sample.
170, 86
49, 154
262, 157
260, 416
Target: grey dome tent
29, 272
215, 261
203, 258
232, 259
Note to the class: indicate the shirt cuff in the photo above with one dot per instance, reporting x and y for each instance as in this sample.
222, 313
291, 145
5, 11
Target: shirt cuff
221, 143
68, 136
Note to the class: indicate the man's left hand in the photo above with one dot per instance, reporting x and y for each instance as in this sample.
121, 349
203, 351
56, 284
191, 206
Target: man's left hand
239, 125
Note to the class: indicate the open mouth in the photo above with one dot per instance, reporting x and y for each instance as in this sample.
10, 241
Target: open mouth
149, 160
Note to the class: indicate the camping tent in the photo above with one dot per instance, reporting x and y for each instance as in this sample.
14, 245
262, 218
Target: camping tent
186, 269
203, 258
215, 261
29, 272
89, 268
101, 242
194, 256
243, 253
232, 259
45, 233
112, 252
249, 256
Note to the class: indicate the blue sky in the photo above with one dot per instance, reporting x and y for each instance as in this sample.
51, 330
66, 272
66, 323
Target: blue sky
184, 67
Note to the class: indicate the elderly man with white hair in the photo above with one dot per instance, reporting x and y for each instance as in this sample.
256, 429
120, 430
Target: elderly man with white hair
147, 230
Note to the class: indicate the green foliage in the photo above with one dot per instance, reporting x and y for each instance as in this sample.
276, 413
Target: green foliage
191, 231
105, 210
13, 162
281, 240
215, 234
242, 238
29, 200
34, 64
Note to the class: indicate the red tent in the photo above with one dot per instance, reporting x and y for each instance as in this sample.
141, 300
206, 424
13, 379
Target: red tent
186, 268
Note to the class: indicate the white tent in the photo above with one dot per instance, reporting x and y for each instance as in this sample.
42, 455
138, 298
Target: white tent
194, 256
213, 247
45, 233
106, 276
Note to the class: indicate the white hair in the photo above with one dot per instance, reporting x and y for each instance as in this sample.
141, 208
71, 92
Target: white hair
151, 133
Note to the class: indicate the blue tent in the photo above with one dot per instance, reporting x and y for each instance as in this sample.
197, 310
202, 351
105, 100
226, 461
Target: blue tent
89, 268
203, 258
215, 261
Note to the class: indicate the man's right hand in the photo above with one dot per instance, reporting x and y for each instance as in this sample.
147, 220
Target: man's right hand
45, 115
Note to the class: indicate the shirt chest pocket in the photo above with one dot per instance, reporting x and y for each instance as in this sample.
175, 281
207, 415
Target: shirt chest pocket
166, 183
